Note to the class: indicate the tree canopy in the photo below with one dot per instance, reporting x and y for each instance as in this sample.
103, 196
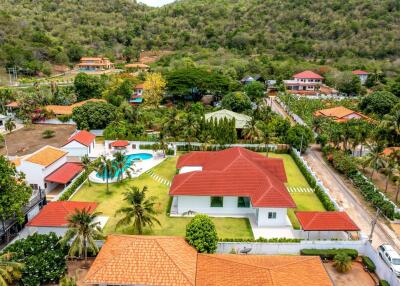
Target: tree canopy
94, 115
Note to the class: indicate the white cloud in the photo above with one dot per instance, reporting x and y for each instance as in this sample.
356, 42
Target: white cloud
156, 3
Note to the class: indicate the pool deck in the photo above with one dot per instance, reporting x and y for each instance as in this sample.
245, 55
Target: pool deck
137, 169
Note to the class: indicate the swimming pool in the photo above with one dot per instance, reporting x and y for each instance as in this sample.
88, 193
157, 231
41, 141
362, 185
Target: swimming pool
129, 159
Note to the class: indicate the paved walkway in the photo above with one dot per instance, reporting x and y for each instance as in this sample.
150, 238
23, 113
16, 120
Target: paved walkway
159, 178
300, 190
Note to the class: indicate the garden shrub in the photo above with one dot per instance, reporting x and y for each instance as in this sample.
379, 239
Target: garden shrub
64, 118
383, 283
262, 239
368, 263
201, 234
65, 196
43, 257
329, 253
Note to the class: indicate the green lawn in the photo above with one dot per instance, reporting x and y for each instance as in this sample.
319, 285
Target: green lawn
293, 173
108, 204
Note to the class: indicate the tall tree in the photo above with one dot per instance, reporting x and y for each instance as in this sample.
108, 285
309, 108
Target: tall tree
120, 162
9, 271
14, 193
153, 86
252, 132
106, 169
83, 230
9, 125
87, 165
374, 158
140, 212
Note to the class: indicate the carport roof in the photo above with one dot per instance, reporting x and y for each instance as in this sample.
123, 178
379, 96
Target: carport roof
65, 173
326, 221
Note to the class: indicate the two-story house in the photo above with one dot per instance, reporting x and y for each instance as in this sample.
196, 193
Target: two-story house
95, 63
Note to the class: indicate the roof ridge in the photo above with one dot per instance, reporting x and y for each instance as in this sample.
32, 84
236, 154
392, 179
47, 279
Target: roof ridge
234, 261
173, 261
189, 175
304, 258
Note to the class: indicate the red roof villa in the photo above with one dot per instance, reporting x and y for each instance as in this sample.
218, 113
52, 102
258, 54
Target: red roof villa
233, 182
308, 83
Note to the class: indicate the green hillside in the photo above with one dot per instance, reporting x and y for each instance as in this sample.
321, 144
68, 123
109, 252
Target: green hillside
36, 33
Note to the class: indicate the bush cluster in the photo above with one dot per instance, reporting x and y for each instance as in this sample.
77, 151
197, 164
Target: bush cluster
329, 253
262, 239
383, 283
345, 164
43, 257
368, 263
201, 234
82, 177
322, 196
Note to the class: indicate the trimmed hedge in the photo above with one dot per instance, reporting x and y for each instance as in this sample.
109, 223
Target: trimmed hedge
322, 196
383, 283
223, 147
73, 187
329, 253
261, 239
368, 263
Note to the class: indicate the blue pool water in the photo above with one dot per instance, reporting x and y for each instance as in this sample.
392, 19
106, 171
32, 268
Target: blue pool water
129, 159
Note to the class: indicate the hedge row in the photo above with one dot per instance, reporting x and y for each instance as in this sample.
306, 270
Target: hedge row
383, 283
368, 263
223, 147
322, 196
82, 177
261, 239
329, 253
345, 165
155, 146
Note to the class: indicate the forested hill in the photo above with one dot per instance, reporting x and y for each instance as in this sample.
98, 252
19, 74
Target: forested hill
33, 32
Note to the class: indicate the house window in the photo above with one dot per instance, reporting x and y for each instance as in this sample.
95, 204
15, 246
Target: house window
243, 202
217, 202
271, 215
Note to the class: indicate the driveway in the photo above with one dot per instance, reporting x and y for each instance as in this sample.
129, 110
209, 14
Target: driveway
344, 196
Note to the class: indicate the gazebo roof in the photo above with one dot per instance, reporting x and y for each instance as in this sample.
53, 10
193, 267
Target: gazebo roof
120, 143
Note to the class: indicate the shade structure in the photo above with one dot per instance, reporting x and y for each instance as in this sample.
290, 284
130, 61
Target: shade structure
65, 173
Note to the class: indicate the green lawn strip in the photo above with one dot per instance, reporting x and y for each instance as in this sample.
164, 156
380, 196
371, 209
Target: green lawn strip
108, 204
293, 173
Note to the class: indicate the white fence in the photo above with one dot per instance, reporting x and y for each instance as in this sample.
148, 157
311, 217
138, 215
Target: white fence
294, 116
362, 246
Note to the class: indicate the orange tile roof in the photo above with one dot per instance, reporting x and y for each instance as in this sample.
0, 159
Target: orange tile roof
46, 156
67, 109
339, 113
144, 260
326, 221
243, 270
157, 260
389, 150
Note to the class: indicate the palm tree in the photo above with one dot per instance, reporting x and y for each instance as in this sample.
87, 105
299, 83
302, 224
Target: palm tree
391, 122
363, 133
120, 163
83, 230
162, 143
268, 135
389, 168
251, 131
9, 125
342, 262
374, 158
67, 281
9, 270
140, 211
87, 165
105, 167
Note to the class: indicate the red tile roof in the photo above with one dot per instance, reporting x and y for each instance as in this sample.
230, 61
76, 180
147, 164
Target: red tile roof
65, 173
389, 150
13, 104
120, 143
139, 86
84, 137
157, 260
55, 214
234, 172
326, 221
308, 74
359, 72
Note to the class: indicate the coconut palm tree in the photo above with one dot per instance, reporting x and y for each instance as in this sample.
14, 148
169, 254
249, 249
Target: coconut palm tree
9, 270
9, 125
140, 212
342, 262
251, 131
389, 168
162, 142
391, 122
67, 281
83, 230
87, 165
268, 135
105, 167
374, 158
120, 163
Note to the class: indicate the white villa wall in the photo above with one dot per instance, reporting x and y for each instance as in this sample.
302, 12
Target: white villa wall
263, 220
76, 149
188, 169
201, 204
35, 174
60, 231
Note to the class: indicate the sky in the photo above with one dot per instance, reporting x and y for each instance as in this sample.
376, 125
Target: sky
156, 3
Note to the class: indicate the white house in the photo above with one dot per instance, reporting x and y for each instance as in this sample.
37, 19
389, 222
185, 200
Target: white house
362, 75
234, 182
80, 144
308, 83
47, 168
53, 217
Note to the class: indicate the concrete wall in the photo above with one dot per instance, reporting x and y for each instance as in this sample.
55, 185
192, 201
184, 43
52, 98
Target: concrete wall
76, 149
60, 231
263, 220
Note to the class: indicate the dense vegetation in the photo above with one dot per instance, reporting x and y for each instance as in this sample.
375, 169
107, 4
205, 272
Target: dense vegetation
36, 33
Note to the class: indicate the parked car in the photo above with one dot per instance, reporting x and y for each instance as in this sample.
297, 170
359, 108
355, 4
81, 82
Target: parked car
391, 257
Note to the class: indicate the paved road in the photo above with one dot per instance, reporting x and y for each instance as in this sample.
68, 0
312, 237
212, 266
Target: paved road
348, 201
344, 196
278, 109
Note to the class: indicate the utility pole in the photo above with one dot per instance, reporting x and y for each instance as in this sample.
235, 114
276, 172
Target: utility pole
301, 143
373, 223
